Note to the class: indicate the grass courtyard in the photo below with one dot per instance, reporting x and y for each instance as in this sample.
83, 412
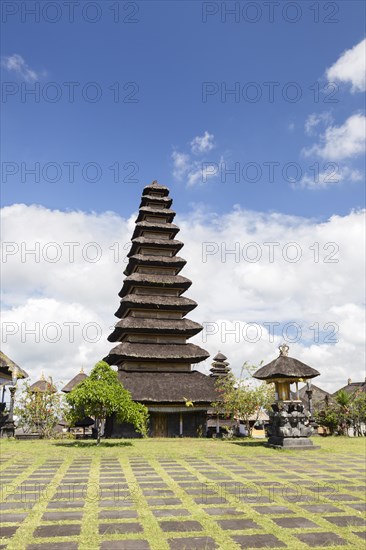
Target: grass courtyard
181, 494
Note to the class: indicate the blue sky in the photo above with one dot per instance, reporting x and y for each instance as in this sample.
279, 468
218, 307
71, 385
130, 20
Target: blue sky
167, 55
258, 128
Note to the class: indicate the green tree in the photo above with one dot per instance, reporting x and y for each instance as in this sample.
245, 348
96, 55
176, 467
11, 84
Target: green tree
347, 410
243, 398
38, 411
101, 395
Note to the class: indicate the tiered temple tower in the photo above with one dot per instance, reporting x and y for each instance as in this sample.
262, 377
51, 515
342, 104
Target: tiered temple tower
220, 366
153, 356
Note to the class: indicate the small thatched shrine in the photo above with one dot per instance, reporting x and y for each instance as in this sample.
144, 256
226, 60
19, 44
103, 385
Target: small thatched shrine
152, 354
290, 425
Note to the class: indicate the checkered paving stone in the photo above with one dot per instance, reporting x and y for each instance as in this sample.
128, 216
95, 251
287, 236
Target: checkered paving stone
61, 516
268, 510
55, 504
345, 521
258, 541
222, 511
360, 506
238, 524
124, 528
163, 501
220, 491
180, 526
125, 545
321, 539
118, 514
295, 523
54, 546
164, 512
192, 543
321, 508
12, 518
8, 531
67, 530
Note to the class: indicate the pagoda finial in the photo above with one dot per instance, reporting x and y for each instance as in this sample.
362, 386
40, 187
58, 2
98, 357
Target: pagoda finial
82, 370
284, 349
42, 376
155, 182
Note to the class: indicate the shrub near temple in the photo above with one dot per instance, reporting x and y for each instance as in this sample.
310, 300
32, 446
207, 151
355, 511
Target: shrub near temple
39, 411
102, 395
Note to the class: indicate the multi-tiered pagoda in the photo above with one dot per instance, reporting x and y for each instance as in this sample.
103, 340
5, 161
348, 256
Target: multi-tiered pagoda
153, 357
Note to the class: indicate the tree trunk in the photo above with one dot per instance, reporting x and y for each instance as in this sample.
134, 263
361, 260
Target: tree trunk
98, 430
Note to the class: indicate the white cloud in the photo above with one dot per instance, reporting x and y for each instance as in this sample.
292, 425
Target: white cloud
16, 64
341, 142
195, 171
181, 164
351, 68
334, 175
312, 290
202, 144
315, 119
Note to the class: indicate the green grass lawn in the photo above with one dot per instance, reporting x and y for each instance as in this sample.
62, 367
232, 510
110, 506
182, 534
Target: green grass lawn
238, 475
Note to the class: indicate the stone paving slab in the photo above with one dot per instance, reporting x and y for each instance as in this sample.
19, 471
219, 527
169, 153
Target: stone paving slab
125, 545
321, 539
7, 531
192, 543
345, 521
268, 510
61, 516
321, 508
66, 530
54, 546
295, 523
12, 518
164, 512
222, 511
118, 514
238, 524
180, 526
258, 541
111, 528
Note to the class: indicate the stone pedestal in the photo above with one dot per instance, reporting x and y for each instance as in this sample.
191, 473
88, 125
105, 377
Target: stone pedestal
8, 429
291, 443
290, 426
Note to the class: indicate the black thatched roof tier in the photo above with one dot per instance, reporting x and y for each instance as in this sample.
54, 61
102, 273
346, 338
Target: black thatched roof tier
165, 202
155, 226
165, 387
42, 386
153, 280
220, 367
177, 353
154, 261
7, 367
166, 213
168, 244
155, 187
128, 325
74, 382
285, 367
220, 357
142, 301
